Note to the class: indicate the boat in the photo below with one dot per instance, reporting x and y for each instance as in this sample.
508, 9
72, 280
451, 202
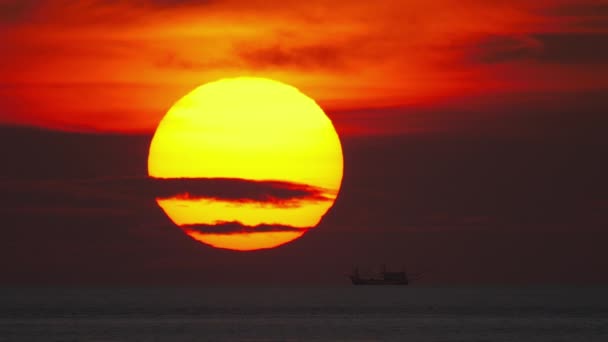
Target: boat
385, 278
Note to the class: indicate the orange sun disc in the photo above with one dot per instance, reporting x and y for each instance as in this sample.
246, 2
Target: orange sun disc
248, 163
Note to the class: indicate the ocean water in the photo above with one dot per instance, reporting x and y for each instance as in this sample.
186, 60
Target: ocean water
305, 314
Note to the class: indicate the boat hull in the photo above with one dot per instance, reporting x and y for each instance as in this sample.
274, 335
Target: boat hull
360, 281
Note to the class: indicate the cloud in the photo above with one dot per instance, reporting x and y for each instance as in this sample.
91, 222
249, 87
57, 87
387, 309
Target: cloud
12, 12
120, 195
237, 227
298, 57
226, 189
504, 48
174, 3
70, 211
537, 168
345, 55
16, 12
308, 57
579, 16
574, 48
584, 8
541, 48
172, 60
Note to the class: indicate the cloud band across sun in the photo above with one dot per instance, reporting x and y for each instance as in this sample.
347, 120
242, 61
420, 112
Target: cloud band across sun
251, 203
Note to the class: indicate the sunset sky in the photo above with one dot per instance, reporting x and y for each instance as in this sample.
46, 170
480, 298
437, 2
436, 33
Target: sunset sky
474, 132
119, 65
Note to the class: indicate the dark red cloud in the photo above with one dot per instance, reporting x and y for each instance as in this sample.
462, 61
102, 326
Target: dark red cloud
559, 48
237, 190
237, 227
574, 48
301, 57
504, 48
470, 208
307, 57
535, 167
584, 8
15, 12
581, 16
113, 194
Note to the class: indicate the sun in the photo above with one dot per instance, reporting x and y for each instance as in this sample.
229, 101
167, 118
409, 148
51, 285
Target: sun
247, 163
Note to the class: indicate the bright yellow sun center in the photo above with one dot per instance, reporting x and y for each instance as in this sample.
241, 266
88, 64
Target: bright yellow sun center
259, 134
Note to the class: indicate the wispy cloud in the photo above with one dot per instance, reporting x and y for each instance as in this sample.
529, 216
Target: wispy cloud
239, 190
298, 57
235, 227
503, 48
544, 48
134, 193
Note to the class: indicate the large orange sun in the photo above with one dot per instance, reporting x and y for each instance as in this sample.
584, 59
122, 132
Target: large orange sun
263, 161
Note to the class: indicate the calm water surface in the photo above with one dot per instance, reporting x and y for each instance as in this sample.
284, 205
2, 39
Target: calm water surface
307, 314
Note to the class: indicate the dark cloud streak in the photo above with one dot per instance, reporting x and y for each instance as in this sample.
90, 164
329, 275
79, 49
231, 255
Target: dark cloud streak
504, 48
310, 57
13, 12
226, 189
300, 57
237, 190
237, 228
574, 48
579, 8
558, 48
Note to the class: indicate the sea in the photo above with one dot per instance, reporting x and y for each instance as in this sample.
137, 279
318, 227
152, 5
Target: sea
347, 313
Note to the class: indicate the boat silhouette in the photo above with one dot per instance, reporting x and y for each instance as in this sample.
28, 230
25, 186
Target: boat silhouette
383, 278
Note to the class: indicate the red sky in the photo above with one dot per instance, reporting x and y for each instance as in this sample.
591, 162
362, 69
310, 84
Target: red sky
119, 65
474, 135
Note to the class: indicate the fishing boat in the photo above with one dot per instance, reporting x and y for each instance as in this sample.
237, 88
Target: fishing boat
384, 278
